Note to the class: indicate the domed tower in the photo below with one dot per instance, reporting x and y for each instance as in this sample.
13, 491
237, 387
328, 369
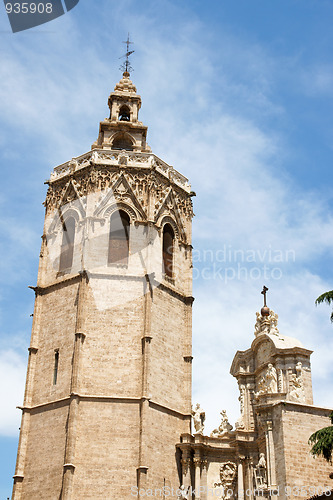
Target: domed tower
108, 390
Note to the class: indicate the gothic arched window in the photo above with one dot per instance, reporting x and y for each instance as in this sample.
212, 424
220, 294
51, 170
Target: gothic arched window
67, 246
119, 238
168, 237
122, 142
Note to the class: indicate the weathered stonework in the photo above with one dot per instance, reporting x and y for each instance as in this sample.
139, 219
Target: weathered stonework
108, 389
268, 454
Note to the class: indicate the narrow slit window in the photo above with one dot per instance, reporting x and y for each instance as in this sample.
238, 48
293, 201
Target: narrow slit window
119, 238
168, 247
56, 365
67, 246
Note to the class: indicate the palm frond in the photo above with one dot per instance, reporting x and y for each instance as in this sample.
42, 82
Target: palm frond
325, 297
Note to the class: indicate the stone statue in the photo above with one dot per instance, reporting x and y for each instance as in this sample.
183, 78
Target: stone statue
274, 321
260, 475
224, 426
268, 382
199, 417
257, 326
271, 378
262, 461
296, 392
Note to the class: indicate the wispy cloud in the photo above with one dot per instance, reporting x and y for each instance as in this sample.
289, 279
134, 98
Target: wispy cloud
218, 116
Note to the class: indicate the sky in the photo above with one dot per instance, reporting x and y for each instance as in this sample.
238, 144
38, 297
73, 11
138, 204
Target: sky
237, 95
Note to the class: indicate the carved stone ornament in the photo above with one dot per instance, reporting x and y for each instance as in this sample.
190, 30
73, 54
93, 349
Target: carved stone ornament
266, 324
224, 428
239, 425
186, 465
144, 185
198, 416
228, 473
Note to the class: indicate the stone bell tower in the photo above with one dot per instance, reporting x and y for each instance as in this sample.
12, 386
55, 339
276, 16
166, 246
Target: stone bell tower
108, 389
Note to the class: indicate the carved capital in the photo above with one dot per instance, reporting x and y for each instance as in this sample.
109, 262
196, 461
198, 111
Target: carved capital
204, 463
186, 462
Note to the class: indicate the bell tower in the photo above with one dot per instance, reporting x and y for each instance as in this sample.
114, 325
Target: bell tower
123, 130
108, 388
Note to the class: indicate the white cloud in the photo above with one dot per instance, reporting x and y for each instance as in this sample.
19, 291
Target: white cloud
12, 377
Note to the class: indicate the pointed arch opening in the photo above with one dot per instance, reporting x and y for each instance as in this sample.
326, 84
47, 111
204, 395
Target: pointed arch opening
122, 141
67, 245
168, 250
119, 238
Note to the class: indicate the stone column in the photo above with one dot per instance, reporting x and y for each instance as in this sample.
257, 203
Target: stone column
270, 455
204, 464
197, 464
186, 469
249, 482
240, 480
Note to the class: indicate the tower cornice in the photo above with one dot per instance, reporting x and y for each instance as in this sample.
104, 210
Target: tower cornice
120, 159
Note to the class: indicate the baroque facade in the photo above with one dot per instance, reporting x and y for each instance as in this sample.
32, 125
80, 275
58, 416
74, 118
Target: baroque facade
107, 408
267, 455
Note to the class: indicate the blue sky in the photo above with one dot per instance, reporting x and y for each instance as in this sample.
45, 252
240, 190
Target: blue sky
237, 95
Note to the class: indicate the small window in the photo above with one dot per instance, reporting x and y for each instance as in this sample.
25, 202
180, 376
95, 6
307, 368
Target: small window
119, 238
56, 364
67, 246
168, 237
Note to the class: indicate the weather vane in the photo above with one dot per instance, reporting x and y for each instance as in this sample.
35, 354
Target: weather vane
126, 67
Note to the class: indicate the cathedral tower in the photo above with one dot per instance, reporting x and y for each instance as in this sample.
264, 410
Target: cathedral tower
108, 389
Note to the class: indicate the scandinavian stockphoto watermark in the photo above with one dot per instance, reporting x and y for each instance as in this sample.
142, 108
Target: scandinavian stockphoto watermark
228, 264
25, 15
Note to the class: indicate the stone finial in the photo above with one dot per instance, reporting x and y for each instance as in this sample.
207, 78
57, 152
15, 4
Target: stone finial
266, 324
125, 84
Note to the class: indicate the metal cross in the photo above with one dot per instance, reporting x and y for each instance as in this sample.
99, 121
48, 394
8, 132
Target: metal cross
126, 66
264, 291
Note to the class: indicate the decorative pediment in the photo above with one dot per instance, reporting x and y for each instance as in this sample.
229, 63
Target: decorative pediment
169, 206
71, 204
71, 195
120, 193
